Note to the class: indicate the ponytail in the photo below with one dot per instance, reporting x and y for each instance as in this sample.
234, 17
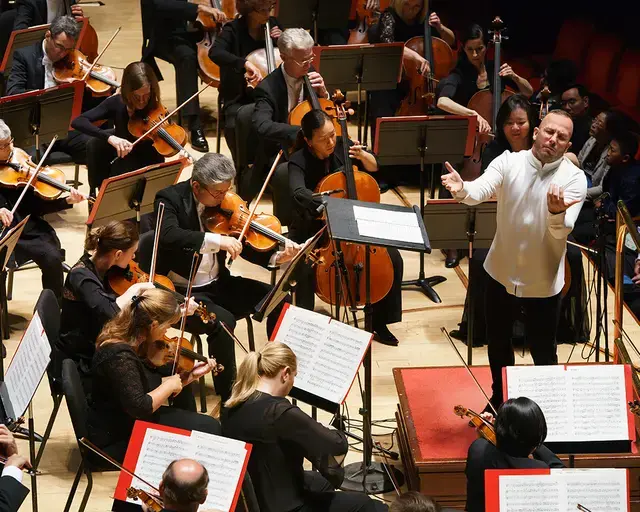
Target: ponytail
113, 236
268, 362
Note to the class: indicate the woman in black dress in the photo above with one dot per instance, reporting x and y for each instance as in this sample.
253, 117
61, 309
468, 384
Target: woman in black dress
123, 390
320, 154
472, 74
139, 94
238, 39
520, 431
283, 436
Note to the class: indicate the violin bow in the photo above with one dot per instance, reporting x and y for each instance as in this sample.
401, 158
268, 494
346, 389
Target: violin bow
156, 243
257, 200
444, 331
93, 64
32, 178
88, 444
235, 338
187, 299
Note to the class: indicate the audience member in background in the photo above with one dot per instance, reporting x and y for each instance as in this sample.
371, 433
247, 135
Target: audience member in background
184, 486
520, 429
575, 101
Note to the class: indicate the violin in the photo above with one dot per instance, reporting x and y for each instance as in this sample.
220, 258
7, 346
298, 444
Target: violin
359, 185
153, 503
484, 428
364, 19
169, 139
162, 352
422, 91
101, 80
314, 103
49, 183
120, 280
266, 59
264, 232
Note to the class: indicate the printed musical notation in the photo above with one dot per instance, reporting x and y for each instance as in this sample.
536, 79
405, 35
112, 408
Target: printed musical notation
328, 352
580, 403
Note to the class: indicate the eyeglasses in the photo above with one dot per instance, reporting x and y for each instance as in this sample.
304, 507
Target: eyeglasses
304, 63
215, 194
61, 47
6, 144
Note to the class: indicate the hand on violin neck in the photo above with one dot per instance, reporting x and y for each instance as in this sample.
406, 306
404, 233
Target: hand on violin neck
317, 82
6, 217
200, 369
191, 307
487, 416
231, 245
75, 196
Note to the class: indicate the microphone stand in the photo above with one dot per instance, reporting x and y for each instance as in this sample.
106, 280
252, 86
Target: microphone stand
602, 287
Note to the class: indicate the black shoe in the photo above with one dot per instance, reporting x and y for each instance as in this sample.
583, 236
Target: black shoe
4, 351
383, 335
458, 334
198, 141
453, 258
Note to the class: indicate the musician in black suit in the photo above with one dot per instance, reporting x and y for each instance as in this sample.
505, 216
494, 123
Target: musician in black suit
33, 70
12, 492
229, 297
166, 35
184, 486
30, 13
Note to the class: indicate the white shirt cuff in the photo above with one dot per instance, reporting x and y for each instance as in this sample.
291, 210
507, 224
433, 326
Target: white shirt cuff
211, 243
13, 472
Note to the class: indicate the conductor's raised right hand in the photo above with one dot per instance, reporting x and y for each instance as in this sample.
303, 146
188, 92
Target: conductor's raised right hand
452, 181
231, 245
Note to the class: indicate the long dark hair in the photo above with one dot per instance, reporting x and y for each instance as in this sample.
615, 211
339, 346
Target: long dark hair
513, 103
473, 31
312, 120
520, 427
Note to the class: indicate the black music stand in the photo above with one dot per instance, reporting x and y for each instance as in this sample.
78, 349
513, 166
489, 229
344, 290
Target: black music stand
411, 140
314, 15
286, 283
19, 39
342, 225
133, 191
372, 67
36, 116
453, 225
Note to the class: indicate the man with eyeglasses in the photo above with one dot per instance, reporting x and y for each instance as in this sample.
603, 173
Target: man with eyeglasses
575, 101
33, 70
184, 232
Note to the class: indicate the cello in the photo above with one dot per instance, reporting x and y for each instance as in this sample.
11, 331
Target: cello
441, 61
359, 185
266, 59
314, 103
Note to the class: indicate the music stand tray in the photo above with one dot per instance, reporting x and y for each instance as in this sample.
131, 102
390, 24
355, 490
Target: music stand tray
133, 191
21, 39
314, 15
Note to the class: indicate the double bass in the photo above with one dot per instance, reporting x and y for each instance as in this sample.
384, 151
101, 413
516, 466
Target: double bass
441, 61
359, 185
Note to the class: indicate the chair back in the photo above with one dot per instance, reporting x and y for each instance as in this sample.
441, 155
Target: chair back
75, 398
48, 310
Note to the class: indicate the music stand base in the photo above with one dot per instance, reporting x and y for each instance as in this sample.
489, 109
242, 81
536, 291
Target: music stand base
377, 479
426, 285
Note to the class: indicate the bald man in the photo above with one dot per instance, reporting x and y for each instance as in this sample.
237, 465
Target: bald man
184, 486
540, 193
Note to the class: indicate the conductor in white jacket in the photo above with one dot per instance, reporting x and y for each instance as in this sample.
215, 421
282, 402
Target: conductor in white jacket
540, 193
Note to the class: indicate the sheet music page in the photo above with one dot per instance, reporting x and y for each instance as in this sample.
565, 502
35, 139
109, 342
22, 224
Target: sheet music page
604, 490
531, 493
28, 366
224, 460
599, 402
545, 385
389, 225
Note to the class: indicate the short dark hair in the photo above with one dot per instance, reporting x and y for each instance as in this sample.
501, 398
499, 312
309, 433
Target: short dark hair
413, 501
628, 142
520, 427
179, 492
582, 90
67, 25
560, 73
510, 104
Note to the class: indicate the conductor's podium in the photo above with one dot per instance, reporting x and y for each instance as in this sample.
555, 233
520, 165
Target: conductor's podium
434, 441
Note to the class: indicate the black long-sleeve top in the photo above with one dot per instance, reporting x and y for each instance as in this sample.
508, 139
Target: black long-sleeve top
87, 305
622, 183
483, 455
391, 28
31, 204
119, 393
282, 437
229, 52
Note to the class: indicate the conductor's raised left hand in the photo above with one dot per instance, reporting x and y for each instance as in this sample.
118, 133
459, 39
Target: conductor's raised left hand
556, 202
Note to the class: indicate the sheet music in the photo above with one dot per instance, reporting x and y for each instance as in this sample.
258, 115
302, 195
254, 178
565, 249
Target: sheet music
222, 457
389, 225
328, 352
28, 366
581, 403
602, 490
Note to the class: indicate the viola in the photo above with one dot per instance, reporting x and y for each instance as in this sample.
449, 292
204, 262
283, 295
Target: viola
314, 103
359, 185
264, 232
153, 503
49, 183
101, 80
163, 352
484, 428
120, 280
266, 59
422, 90
169, 139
